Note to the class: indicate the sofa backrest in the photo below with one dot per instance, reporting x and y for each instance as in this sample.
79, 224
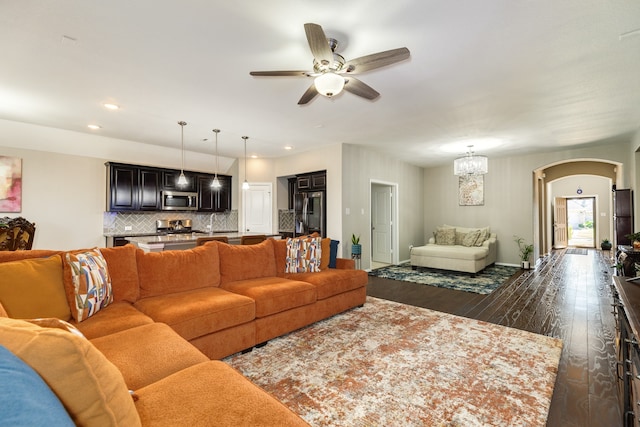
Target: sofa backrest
161, 273
244, 262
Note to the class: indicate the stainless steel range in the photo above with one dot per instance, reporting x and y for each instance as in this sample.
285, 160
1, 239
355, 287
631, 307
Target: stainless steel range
175, 226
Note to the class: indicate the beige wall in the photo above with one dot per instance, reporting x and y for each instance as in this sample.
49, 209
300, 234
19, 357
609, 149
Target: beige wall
361, 166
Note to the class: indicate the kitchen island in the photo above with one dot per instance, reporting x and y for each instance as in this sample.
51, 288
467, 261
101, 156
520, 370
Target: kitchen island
169, 242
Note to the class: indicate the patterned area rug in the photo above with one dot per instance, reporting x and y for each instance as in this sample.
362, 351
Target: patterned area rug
574, 251
485, 282
391, 364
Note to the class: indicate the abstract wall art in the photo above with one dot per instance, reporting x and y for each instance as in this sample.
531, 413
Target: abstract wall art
471, 190
10, 184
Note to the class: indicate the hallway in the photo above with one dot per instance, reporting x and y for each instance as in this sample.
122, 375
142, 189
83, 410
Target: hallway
567, 297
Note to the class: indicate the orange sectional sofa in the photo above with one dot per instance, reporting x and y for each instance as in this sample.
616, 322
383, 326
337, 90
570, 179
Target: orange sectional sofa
172, 315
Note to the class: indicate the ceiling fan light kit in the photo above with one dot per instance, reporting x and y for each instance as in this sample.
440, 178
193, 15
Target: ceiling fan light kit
330, 67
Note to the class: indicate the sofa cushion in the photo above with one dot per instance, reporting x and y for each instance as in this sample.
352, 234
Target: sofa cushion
454, 252
20, 384
186, 398
303, 255
274, 294
243, 262
148, 353
332, 282
325, 257
115, 318
6, 256
32, 288
87, 283
161, 273
3, 312
471, 237
199, 312
445, 236
123, 269
89, 386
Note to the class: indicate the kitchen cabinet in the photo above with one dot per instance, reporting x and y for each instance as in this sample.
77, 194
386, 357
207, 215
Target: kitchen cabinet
131, 188
211, 199
312, 181
170, 181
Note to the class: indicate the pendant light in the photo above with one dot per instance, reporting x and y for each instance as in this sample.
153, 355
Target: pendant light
245, 184
182, 180
216, 182
471, 164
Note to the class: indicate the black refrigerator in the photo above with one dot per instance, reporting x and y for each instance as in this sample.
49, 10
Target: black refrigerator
310, 215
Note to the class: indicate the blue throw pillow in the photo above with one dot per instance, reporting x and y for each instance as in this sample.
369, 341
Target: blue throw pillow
333, 253
25, 399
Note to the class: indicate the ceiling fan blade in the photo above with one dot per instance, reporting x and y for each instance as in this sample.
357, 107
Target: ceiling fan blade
319, 44
357, 87
296, 73
308, 95
376, 60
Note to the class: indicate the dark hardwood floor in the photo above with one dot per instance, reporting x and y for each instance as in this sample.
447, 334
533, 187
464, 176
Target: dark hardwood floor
568, 297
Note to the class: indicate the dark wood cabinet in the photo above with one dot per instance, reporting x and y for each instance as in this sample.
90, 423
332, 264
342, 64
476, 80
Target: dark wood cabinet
622, 216
139, 188
170, 181
319, 181
123, 187
211, 199
149, 190
311, 181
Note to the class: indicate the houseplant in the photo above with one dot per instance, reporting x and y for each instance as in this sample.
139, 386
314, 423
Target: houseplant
605, 245
356, 247
635, 239
526, 249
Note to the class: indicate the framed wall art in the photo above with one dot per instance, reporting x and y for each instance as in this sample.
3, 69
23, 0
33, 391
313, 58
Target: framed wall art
471, 190
10, 184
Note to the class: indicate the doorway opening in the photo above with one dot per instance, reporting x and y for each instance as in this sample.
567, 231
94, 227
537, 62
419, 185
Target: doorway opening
580, 221
384, 227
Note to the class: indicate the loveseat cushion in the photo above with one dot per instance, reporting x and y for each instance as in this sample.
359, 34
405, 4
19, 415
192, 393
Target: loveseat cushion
31, 288
187, 398
148, 353
244, 262
115, 318
89, 386
448, 251
274, 294
332, 282
20, 383
123, 269
161, 273
199, 312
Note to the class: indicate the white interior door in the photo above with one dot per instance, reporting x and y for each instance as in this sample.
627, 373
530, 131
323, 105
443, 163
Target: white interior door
560, 235
381, 223
257, 205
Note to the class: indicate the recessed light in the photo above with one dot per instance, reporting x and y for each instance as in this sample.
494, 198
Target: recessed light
94, 127
111, 106
288, 147
254, 156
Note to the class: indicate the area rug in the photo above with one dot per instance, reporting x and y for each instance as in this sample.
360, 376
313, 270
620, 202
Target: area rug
574, 251
391, 364
484, 282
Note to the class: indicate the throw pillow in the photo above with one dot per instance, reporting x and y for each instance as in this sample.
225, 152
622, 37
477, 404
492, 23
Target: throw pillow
471, 238
3, 312
89, 386
334, 253
303, 255
446, 236
460, 237
484, 235
33, 288
90, 288
325, 247
20, 406
56, 323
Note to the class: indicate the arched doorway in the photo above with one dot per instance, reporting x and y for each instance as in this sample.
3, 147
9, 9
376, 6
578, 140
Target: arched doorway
545, 175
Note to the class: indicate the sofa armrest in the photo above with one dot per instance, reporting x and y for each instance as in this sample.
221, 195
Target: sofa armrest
432, 240
345, 264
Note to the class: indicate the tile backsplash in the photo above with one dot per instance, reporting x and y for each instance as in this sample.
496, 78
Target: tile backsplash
115, 222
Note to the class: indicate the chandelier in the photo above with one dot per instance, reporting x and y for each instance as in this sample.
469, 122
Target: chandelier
470, 164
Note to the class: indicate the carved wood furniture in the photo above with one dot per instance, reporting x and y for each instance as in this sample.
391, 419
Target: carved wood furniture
16, 234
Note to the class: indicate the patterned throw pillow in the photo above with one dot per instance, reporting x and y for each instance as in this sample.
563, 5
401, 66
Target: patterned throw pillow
484, 235
91, 283
303, 255
471, 238
446, 236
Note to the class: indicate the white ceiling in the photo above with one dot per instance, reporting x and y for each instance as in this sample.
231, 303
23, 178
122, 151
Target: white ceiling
525, 74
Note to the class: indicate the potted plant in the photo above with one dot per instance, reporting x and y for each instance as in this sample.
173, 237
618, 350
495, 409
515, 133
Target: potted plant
356, 247
526, 249
605, 245
635, 239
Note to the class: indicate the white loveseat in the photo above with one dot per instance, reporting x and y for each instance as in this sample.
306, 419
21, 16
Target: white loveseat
457, 248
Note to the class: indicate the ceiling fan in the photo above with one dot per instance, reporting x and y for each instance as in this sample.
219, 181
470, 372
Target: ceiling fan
332, 73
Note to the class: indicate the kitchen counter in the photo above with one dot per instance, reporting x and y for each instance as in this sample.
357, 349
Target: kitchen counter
160, 243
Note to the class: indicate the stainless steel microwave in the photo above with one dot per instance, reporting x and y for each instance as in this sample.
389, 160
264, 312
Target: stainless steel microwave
179, 201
